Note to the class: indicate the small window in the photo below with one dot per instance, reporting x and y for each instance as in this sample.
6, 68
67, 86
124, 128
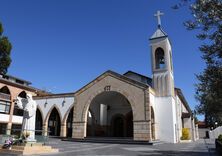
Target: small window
160, 59
5, 107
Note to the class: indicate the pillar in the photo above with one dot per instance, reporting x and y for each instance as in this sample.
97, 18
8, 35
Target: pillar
8, 129
141, 130
79, 130
63, 130
45, 130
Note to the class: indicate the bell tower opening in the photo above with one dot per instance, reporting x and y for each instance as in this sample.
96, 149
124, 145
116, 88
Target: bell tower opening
159, 58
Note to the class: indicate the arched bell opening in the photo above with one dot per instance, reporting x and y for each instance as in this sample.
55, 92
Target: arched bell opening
160, 58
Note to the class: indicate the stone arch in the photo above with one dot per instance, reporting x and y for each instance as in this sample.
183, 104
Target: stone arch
49, 113
6, 98
98, 92
64, 126
22, 94
5, 90
67, 114
125, 94
46, 121
131, 94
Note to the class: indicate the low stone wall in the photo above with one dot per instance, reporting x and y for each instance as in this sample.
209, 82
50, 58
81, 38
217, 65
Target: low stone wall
202, 132
215, 133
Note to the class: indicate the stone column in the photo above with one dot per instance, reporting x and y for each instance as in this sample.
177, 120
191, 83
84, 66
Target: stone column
45, 130
9, 127
79, 130
142, 130
63, 130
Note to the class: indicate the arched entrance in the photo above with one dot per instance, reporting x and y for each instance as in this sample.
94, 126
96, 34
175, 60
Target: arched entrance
69, 124
108, 116
38, 122
54, 123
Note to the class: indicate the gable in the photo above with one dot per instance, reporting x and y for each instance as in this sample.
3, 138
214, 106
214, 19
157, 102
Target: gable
116, 76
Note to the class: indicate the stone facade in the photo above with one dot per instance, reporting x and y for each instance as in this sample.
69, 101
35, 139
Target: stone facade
135, 93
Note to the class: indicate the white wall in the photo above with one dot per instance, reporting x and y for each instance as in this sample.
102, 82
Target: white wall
4, 118
166, 118
17, 119
58, 102
215, 133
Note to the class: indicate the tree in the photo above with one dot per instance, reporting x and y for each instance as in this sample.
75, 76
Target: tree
5, 51
207, 21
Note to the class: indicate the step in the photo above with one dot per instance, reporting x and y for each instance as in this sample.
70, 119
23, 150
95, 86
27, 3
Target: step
110, 140
25, 150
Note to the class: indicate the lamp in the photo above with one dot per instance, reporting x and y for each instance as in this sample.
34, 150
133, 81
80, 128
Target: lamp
45, 103
63, 102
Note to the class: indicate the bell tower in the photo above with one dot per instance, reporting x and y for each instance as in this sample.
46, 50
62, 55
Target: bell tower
163, 84
162, 65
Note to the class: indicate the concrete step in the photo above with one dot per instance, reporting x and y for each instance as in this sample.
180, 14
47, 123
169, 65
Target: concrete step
111, 140
29, 150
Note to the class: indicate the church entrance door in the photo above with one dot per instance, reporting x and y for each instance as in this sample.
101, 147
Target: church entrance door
38, 123
118, 126
54, 123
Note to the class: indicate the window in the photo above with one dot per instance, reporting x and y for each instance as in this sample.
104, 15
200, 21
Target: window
3, 127
159, 58
18, 111
5, 103
5, 107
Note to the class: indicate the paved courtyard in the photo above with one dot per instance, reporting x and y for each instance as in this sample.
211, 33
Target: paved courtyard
200, 148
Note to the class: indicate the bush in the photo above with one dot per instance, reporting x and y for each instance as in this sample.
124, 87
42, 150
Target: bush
185, 134
220, 138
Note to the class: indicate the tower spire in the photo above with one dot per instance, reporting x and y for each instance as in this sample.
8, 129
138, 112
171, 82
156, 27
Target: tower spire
158, 15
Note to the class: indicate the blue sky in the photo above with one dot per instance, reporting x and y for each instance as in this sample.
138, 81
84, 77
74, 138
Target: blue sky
62, 45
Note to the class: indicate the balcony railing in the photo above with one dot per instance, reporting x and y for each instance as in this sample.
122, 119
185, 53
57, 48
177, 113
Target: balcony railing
5, 97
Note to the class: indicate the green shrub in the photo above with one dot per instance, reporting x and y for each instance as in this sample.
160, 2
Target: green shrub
185, 134
220, 138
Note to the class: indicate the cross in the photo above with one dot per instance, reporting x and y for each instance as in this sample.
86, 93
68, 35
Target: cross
158, 14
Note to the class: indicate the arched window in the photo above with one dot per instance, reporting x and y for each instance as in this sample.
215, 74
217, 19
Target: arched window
5, 100
159, 58
18, 111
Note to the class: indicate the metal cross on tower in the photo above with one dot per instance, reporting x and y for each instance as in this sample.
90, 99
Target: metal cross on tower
158, 14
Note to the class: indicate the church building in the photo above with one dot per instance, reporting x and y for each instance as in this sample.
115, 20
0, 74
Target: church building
128, 105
